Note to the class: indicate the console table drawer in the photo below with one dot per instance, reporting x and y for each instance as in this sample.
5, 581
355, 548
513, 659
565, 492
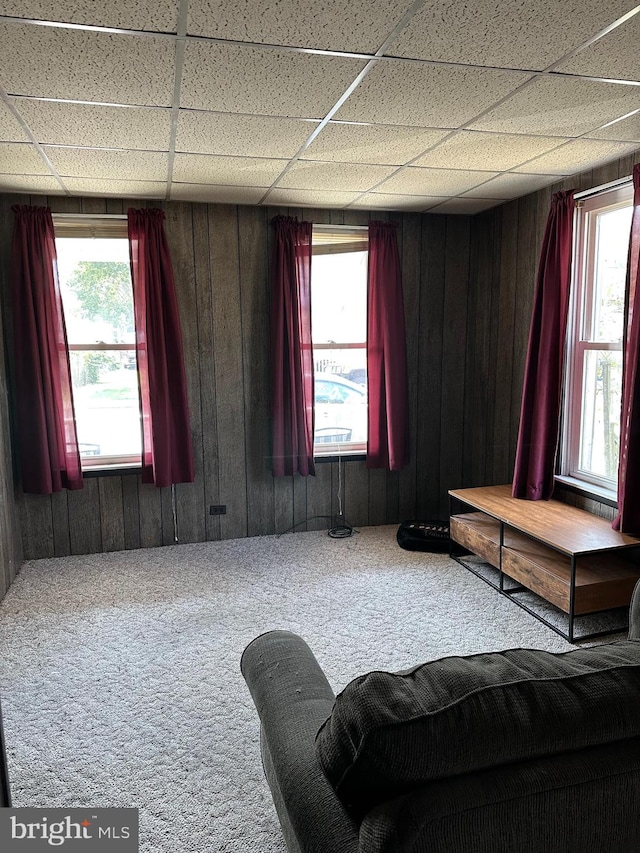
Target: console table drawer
603, 582
478, 533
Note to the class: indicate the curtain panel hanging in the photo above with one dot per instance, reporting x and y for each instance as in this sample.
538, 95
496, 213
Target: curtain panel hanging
292, 386
167, 455
50, 459
627, 519
541, 396
388, 444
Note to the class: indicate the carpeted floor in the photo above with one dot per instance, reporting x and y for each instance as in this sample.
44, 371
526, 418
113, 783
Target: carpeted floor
120, 681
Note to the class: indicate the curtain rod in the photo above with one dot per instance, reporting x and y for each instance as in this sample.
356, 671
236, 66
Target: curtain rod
620, 182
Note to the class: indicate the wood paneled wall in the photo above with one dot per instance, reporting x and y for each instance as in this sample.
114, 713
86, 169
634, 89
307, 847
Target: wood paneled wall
221, 261
11, 553
468, 284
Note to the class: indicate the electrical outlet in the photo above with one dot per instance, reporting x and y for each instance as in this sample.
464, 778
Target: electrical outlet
218, 509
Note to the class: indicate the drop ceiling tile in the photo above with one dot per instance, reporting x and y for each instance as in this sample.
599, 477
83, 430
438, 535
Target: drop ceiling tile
371, 143
228, 171
358, 26
86, 66
58, 123
21, 159
576, 156
307, 175
509, 34
498, 151
511, 185
440, 182
615, 55
92, 163
412, 94
555, 106
118, 188
234, 79
627, 130
241, 135
29, 184
310, 198
216, 194
468, 206
150, 15
390, 201
10, 129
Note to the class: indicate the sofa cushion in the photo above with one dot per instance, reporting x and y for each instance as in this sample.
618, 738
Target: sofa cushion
389, 733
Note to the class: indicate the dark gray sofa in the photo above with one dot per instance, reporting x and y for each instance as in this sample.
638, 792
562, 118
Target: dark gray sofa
509, 751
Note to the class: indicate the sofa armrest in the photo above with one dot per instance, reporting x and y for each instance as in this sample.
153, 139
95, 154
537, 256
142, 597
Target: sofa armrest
634, 614
293, 698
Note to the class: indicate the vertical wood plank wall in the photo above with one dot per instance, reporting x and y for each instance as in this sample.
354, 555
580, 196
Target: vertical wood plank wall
468, 285
221, 261
11, 553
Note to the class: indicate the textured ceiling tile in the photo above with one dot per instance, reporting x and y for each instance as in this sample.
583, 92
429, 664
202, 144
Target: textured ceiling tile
310, 198
21, 159
425, 95
217, 195
127, 165
627, 130
241, 135
469, 206
511, 185
236, 79
86, 66
371, 143
389, 201
29, 184
511, 33
555, 106
118, 188
415, 181
10, 129
230, 171
615, 55
497, 151
106, 127
306, 175
358, 26
576, 156
150, 15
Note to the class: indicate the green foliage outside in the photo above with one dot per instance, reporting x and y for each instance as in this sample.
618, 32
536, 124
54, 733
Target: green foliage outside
94, 363
103, 289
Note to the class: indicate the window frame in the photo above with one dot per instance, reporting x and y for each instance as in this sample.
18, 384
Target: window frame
335, 240
581, 318
104, 226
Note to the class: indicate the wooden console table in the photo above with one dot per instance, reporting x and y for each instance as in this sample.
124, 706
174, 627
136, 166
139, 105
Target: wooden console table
569, 557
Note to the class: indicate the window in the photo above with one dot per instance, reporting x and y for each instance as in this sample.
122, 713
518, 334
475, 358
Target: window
339, 332
97, 295
591, 439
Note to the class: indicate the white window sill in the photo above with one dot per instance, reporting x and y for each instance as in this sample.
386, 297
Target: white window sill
588, 490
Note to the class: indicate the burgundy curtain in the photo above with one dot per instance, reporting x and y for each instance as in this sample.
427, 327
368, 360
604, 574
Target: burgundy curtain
628, 518
541, 395
388, 445
167, 455
292, 386
44, 398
